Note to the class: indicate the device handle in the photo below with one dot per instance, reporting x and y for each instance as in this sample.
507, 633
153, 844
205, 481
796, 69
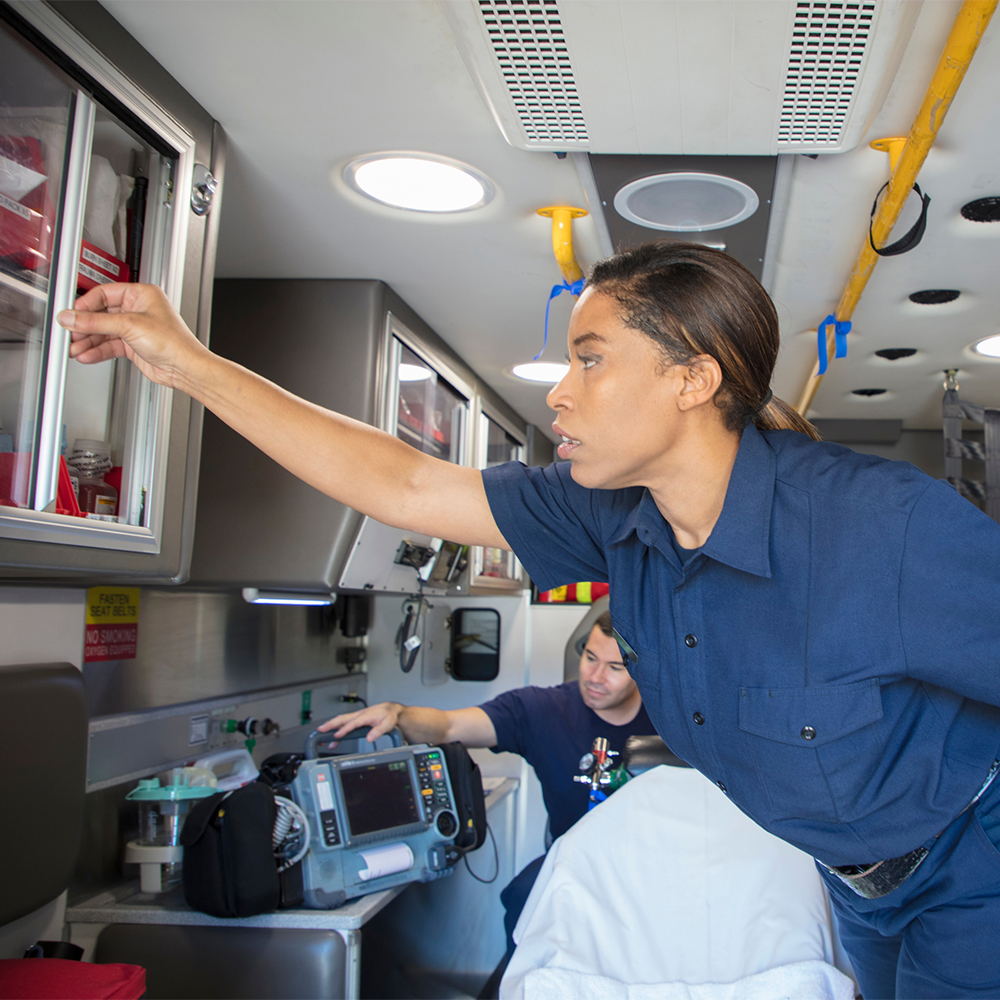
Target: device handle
316, 739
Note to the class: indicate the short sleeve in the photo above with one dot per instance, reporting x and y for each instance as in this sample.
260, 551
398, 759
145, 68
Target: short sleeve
949, 595
509, 716
552, 523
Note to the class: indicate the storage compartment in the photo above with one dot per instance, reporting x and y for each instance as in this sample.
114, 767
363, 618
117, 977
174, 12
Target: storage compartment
95, 176
357, 348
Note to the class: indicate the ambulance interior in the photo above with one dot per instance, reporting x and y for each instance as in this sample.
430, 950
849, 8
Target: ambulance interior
598, 107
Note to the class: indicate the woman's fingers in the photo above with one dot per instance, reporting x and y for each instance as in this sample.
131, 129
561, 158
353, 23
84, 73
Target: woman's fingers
133, 321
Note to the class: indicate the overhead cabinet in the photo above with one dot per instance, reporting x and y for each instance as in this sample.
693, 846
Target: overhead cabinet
105, 175
357, 348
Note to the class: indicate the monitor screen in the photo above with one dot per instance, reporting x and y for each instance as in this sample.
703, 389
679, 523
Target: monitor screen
378, 797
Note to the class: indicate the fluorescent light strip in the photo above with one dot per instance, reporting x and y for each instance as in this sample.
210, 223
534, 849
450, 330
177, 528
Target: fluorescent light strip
254, 596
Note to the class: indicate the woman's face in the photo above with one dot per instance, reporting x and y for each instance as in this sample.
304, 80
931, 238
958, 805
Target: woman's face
616, 404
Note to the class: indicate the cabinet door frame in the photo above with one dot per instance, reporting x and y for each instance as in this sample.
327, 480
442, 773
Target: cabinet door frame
484, 415
150, 406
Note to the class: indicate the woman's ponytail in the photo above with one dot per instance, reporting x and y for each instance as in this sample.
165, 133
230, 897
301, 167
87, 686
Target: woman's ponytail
777, 415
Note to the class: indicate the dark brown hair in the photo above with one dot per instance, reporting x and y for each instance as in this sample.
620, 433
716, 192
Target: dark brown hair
693, 300
603, 621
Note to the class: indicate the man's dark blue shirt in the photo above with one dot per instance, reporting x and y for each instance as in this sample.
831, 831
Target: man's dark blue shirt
551, 728
829, 658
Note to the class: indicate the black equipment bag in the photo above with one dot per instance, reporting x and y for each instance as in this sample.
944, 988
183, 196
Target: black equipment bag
470, 803
229, 866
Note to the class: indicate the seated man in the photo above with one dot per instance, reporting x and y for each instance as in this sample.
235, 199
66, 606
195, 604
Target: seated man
552, 728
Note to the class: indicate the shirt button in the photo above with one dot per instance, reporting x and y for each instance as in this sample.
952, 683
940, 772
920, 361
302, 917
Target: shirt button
690, 641
721, 785
808, 733
699, 718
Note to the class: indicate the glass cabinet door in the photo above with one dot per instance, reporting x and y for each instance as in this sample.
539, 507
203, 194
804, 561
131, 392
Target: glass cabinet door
427, 406
87, 183
491, 566
36, 109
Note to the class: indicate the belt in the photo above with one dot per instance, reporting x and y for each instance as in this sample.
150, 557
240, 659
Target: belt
882, 877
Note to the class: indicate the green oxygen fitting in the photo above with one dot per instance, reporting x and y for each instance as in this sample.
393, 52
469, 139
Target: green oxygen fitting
616, 778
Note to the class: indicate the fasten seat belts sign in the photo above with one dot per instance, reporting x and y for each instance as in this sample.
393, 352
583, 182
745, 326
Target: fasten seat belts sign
112, 625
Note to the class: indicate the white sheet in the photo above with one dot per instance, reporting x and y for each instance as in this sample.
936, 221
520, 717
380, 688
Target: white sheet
669, 883
800, 981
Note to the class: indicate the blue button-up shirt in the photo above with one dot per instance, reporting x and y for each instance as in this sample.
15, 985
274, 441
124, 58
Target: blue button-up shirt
829, 658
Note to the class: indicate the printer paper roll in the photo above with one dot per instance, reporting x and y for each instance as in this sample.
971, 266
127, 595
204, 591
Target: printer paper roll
382, 861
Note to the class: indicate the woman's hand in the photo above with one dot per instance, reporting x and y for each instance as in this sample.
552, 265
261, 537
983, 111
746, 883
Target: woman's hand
135, 322
382, 718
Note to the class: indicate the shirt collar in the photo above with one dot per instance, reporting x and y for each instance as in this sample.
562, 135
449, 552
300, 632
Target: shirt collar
741, 537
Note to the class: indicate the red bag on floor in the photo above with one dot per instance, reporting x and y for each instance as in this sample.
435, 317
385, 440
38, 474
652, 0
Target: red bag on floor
63, 979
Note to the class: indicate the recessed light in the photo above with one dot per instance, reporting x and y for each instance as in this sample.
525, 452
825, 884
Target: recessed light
419, 182
413, 373
982, 210
935, 296
686, 202
869, 392
541, 371
990, 347
895, 353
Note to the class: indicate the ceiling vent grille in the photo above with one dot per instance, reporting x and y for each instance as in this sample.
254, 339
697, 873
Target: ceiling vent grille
530, 50
829, 45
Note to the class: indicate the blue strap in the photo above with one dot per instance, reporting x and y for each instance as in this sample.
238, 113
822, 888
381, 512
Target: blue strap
575, 289
596, 798
841, 329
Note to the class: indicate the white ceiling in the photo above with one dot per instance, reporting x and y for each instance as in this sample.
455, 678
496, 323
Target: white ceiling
301, 88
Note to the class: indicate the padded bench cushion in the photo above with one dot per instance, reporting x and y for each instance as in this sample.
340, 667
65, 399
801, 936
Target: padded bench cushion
43, 743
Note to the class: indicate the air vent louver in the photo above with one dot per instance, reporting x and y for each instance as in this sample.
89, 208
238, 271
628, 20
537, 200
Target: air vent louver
829, 45
530, 50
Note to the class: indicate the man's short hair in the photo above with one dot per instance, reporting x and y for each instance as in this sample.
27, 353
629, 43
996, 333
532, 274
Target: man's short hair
603, 622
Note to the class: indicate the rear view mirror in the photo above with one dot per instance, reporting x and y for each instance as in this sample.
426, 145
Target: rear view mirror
475, 644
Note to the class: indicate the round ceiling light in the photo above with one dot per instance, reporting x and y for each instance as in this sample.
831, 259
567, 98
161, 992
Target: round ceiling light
990, 347
686, 203
541, 371
419, 182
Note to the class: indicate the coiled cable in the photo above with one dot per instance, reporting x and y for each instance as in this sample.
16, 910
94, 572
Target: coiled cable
290, 824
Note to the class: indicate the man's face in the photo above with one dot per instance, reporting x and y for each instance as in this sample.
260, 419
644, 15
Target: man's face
604, 681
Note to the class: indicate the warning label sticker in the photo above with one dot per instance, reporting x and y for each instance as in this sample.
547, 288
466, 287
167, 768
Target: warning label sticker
112, 624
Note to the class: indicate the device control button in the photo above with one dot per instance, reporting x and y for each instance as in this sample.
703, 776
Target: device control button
447, 824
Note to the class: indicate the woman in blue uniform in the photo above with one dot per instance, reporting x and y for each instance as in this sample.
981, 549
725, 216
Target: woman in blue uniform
813, 629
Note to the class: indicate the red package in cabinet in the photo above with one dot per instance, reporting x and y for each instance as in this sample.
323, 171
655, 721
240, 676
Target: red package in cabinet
15, 477
26, 213
97, 267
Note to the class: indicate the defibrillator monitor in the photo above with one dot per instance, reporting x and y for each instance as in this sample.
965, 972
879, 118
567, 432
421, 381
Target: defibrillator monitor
376, 820
378, 797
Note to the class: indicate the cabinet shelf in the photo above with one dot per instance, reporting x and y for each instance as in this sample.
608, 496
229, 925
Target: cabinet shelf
37, 288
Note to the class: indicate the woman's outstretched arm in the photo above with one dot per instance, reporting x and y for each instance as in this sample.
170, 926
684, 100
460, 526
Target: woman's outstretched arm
357, 464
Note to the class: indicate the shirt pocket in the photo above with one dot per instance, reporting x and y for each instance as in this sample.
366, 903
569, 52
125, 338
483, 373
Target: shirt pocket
813, 748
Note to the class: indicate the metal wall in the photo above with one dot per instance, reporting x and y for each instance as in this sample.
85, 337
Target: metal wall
195, 645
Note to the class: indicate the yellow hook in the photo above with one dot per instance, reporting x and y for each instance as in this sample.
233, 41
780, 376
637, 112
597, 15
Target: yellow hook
562, 217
